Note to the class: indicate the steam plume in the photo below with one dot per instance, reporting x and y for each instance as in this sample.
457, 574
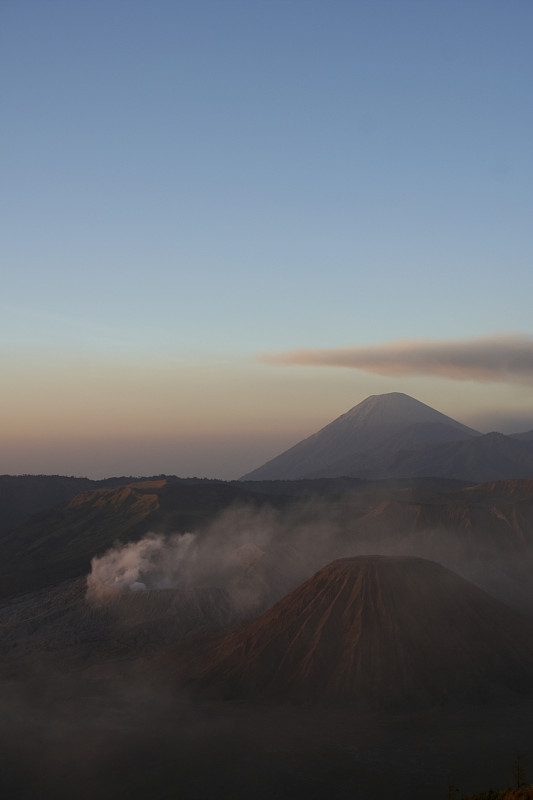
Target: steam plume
155, 562
249, 552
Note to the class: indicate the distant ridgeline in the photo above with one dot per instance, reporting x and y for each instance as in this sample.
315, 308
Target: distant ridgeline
484, 531
395, 436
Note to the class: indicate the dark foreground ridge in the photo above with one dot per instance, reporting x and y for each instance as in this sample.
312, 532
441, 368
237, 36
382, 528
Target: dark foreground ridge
372, 632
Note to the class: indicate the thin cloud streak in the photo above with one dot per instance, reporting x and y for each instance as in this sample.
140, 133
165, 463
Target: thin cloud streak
498, 358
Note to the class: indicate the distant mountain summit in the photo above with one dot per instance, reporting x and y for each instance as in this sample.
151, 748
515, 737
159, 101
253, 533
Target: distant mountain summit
360, 442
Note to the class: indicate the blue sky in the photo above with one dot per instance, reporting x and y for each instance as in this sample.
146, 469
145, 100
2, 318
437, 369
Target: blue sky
190, 185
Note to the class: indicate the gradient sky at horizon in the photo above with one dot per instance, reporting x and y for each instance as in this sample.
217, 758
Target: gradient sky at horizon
188, 186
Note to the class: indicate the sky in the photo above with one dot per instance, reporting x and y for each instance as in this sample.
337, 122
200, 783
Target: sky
227, 222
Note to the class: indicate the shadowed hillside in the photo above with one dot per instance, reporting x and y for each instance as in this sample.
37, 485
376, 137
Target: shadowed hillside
522, 793
24, 495
58, 544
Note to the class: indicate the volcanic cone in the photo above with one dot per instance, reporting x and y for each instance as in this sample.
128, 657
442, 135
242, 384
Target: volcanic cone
372, 631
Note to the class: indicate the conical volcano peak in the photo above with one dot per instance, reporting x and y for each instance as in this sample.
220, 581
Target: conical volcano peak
390, 399
351, 566
373, 631
394, 408
357, 442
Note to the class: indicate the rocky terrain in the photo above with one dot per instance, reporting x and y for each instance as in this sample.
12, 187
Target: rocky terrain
194, 638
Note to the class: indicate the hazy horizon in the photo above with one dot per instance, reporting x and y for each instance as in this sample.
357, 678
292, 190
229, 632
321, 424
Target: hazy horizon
225, 457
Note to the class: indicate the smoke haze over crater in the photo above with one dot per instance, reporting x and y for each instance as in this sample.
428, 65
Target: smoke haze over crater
234, 553
258, 555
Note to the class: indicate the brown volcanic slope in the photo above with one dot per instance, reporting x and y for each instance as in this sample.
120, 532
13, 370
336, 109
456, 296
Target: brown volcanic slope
370, 632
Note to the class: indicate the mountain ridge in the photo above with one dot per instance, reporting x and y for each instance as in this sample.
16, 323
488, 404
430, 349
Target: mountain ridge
396, 436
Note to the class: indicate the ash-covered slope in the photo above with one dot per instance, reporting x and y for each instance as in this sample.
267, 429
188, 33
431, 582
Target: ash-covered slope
372, 631
357, 442
60, 627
